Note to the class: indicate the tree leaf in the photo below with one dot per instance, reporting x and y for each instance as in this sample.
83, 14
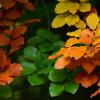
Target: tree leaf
59, 21
81, 24
28, 67
30, 52
71, 87
72, 19
92, 20
85, 7
57, 75
35, 40
56, 89
5, 91
34, 79
45, 34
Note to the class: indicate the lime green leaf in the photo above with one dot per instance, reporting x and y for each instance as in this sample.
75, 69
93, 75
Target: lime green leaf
28, 68
57, 76
45, 70
56, 89
71, 87
5, 91
34, 79
30, 52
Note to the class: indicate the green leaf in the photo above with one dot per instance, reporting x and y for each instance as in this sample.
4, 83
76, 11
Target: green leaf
46, 34
35, 40
56, 89
55, 38
34, 79
28, 68
5, 91
57, 45
71, 87
45, 47
30, 52
57, 75
45, 70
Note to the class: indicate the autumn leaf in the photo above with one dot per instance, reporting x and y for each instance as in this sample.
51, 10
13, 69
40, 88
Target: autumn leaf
59, 21
95, 93
61, 63
75, 33
85, 7
86, 80
71, 41
92, 20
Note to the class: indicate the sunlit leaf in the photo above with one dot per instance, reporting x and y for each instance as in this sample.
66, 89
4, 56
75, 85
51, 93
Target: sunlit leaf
59, 21
72, 19
92, 20
81, 24
85, 7
56, 89
75, 33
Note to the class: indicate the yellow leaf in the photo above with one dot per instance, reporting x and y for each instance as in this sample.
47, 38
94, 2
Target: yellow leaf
72, 19
62, 7
71, 41
59, 21
62, 0
81, 24
97, 31
92, 20
85, 7
73, 8
75, 33
84, 0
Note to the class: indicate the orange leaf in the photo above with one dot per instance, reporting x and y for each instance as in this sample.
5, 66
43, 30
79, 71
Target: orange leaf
3, 59
8, 3
29, 6
8, 75
96, 41
86, 80
86, 36
95, 93
22, 1
18, 31
88, 65
13, 14
62, 63
76, 52
59, 53
4, 40
16, 44
72, 41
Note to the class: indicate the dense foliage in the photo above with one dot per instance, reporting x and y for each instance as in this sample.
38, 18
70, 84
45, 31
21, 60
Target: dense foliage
49, 49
